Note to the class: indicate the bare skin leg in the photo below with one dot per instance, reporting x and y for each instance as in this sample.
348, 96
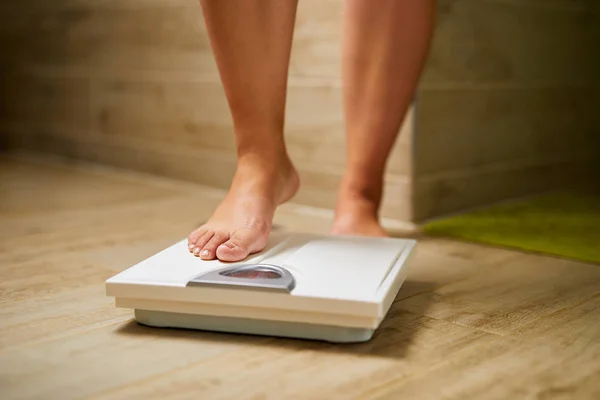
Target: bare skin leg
251, 41
385, 47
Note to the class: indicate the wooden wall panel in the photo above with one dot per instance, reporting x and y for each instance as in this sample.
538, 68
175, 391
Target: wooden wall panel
455, 191
529, 42
130, 34
508, 102
176, 114
479, 127
316, 47
61, 104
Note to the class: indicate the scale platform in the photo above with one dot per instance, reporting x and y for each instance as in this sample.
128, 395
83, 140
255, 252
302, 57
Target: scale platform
320, 287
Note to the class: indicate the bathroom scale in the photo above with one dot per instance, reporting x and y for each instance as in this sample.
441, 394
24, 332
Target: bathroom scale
319, 287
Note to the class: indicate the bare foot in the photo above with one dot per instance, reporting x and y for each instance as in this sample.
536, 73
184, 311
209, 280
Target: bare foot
241, 224
357, 216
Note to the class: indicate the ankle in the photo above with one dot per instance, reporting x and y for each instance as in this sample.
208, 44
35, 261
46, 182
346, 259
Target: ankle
270, 171
267, 162
356, 206
268, 150
362, 193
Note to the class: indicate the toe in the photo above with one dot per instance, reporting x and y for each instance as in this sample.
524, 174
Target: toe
241, 244
209, 250
197, 247
194, 236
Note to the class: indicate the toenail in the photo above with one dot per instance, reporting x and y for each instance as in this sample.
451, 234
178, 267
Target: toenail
204, 253
230, 245
197, 250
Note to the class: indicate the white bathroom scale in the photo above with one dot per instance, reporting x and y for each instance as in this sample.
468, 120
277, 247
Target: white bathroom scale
320, 287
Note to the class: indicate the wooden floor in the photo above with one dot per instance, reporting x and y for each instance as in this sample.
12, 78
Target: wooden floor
471, 322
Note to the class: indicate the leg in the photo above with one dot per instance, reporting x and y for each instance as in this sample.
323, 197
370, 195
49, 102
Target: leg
385, 47
251, 41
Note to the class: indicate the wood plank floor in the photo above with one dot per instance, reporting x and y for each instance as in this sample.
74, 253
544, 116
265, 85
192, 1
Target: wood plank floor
471, 321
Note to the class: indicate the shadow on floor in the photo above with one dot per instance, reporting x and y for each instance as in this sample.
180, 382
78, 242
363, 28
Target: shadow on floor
391, 340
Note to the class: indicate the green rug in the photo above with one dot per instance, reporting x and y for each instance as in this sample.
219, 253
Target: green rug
562, 224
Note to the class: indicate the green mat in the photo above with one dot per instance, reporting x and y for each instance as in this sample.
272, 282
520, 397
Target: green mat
563, 224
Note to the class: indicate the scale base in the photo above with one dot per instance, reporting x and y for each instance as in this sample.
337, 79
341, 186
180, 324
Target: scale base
327, 333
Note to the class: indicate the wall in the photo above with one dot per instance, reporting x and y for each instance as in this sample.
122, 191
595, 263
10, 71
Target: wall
509, 103
133, 83
506, 106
